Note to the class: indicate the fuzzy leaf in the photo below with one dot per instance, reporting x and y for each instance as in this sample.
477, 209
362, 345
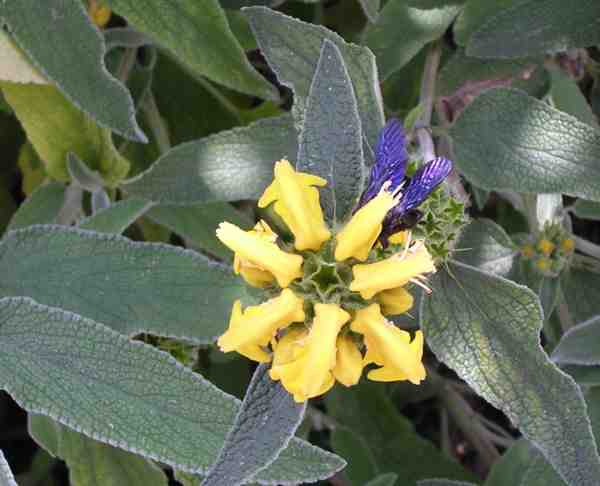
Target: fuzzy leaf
131, 287
582, 293
266, 421
371, 9
198, 34
54, 33
14, 65
402, 31
488, 330
117, 217
537, 27
42, 207
125, 393
232, 165
567, 97
331, 139
55, 127
292, 49
92, 462
587, 209
6, 475
580, 345
508, 140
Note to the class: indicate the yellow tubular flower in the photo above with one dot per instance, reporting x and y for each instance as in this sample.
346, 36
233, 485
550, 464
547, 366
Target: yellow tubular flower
360, 234
250, 272
349, 361
567, 245
251, 330
297, 202
392, 272
389, 347
305, 367
261, 252
546, 246
395, 301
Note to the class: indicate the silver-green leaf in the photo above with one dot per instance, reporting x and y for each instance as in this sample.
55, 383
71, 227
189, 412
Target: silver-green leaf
331, 139
508, 140
129, 286
41, 207
228, 166
54, 33
126, 393
117, 217
488, 330
580, 345
263, 427
6, 475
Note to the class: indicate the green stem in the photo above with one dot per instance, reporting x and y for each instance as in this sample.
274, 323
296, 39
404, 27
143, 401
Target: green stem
426, 99
156, 123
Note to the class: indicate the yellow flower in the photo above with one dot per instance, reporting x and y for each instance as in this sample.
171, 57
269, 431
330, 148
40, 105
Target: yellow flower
251, 330
261, 252
360, 234
545, 246
250, 272
395, 271
349, 361
567, 245
305, 365
100, 15
389, 347
395, 301
297, 202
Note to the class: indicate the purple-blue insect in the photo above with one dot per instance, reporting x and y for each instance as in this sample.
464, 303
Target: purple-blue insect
390, 165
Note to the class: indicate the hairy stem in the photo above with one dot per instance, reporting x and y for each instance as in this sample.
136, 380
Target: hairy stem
426, 100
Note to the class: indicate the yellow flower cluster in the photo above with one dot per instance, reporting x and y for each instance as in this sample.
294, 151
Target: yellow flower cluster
314, 344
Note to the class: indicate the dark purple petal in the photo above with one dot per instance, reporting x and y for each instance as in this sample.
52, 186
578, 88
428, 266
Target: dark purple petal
425, 180
390, 160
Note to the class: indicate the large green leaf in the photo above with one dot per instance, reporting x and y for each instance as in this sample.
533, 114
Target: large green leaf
331, 140
232, 165
55, 127
580, 345
508, 140
129, 286
198, 223
43, 206
567, 97
14, 65
92, 462
117, 217
197, 33
268, 417
587, 209
485, 245
537, 27
124, 393
56, 32
488, 330
292, 49
582, 293
376, 439
402, 31
524, 465
6, 475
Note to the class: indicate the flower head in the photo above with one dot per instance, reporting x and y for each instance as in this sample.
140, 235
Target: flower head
389, 347
297, 202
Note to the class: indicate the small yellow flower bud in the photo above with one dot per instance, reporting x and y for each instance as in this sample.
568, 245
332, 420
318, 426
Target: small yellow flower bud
360, 234
395, 301
297, 202
396, 271
251, 330
309, 372
567, 245
527, 251
543, 264
546, 247
99, 14
349, 361
261, 252
389, 347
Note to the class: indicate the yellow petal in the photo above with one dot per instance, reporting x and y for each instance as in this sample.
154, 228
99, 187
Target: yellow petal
251, 273
309, 371
297, 203
349, 362
399, 358
253, 328
360, 234
398, 238
396, 271
262, 253
395, 301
